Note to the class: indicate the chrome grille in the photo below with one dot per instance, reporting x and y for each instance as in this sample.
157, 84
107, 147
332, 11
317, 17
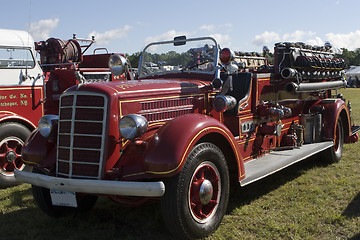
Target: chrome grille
81, 135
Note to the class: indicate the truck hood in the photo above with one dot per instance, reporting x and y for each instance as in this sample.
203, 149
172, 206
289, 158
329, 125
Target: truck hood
148, 87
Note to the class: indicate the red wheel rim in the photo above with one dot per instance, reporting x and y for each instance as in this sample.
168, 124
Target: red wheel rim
204, 192
10, 155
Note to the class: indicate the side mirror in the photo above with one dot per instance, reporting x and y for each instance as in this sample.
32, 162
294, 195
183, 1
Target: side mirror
179, 41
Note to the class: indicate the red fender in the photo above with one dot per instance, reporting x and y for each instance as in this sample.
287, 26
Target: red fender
10, 116
333, 111
168, 149
38, 151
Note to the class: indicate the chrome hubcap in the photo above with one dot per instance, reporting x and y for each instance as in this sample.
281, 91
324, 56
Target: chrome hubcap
206, 192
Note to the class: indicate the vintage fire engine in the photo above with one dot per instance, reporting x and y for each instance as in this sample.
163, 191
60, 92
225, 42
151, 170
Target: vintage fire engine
29, 89
195, 117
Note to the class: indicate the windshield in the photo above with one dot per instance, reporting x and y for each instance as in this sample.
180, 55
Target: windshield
16, 58
191, 55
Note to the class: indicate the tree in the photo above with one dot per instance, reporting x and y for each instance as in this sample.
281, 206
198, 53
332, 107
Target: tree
134, 59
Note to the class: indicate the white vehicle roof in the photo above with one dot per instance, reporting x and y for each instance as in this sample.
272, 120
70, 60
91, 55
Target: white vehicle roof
15, 38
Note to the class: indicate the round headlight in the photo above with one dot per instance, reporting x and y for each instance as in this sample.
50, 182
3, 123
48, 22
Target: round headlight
133, 126
46, 124
117, 64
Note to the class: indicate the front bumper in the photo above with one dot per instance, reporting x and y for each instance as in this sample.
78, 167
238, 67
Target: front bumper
125, 188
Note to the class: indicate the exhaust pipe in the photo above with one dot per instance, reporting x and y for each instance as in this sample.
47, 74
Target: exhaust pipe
288, 73
317, 86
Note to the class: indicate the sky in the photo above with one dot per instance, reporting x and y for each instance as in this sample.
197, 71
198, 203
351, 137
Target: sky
128, 26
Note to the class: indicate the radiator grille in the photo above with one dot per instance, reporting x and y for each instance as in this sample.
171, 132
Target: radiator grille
81, 135
164, 110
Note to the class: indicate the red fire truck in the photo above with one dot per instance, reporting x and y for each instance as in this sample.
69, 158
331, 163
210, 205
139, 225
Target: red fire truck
195, 117
29, 89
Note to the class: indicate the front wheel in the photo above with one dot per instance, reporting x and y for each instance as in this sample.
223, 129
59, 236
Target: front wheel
195, 200
42, 199
12, 138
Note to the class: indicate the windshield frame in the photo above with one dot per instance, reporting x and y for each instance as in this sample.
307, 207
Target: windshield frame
215, 72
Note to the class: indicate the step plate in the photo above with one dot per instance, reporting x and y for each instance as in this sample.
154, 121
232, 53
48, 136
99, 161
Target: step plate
275, 161
354, 129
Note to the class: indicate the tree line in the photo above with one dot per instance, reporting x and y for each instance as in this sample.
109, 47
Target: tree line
351, 57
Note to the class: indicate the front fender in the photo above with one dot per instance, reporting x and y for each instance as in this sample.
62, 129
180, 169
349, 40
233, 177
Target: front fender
38, 151
168, 149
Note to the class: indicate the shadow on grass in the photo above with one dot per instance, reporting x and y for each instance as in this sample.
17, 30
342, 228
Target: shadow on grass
353, 209
107, 220
241, 196
355, 237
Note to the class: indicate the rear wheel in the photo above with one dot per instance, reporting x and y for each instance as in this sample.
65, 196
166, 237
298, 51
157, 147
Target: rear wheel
195, 200
334, 154
12, 138
43, 201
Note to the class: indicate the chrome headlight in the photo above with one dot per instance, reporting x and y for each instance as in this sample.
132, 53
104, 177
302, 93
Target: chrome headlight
132, 126
117, 64
47, 124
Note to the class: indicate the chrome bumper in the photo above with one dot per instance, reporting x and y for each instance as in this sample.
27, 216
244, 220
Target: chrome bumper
125, 188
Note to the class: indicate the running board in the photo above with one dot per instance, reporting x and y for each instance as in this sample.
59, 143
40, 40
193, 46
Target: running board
277, 160
354, 129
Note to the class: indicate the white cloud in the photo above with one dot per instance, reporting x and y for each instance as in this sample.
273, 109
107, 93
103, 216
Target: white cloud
222, 39
316, 41
297, 36
164, 36
106, 37
266, 38
350, 41
41, 30
272, 37
207, 27
228, 25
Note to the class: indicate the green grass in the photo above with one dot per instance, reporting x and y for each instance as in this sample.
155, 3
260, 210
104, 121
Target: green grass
311, 200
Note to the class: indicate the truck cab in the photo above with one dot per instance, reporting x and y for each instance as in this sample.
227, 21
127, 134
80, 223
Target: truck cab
195, 117
21, 94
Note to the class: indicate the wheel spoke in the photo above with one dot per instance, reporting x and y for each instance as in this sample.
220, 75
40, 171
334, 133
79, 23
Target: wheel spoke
6, 144
18, 148
4, 166
10, 167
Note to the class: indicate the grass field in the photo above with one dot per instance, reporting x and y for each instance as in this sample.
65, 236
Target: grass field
311, 200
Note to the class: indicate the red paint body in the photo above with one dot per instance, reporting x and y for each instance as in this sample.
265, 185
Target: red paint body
180, 114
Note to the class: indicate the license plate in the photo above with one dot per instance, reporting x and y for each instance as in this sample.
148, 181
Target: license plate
62, 198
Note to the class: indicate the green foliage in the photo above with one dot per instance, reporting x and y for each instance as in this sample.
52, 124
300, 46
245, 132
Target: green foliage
171, 58
134, 59
350, 57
